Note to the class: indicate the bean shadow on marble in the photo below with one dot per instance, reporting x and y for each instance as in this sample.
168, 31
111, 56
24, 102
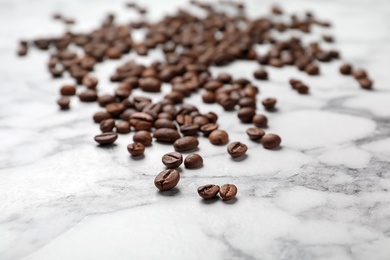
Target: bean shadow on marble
137, 158
106, 147
209, 201
239, 159
191, 151
170, 193
230, 202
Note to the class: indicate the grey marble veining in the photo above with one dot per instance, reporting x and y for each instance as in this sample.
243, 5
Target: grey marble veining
324, 195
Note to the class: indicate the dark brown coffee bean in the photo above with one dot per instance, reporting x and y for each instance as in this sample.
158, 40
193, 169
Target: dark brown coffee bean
312, 69
186, 143
260, 120
106, 99
302, 89
365, 83
260, 74
213, 85
212, 117
123, 127
200, 120
172, 160
277, 63
208, 128
164, 123
218, 137
167, 179
246, 114
269, 103
184, 119
228, 103
107, 125
328, 38
113, 53
189, 129
359, 74
136, 149
237, 149
224, 78
164, 115
141, 121
106, 138
255, 133
228, 191
100, 116
90, 82
247, 102
150, 84
176, 97
122, 93
208, 191
166, 135
115, 109
88, 95
193, 161
63, 102
125, 116
271, 141
208, 97
346, 69
68, 90
143, 137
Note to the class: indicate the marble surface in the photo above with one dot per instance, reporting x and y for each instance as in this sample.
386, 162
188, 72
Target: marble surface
324, 195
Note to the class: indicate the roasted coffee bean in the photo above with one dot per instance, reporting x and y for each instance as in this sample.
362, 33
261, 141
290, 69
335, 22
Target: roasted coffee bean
164, 115
312, 69
136, 149
115, 109
260, 74
247, 102
224, 78
218, 137
294, 82
302, 89
359, 74
125, 116
228, 103
141, 121
186, 143
269, 103
166, 135
106, 99
167, 179
164, 123
346, 69
100, 116
63, 102
113, 53
122, 93
200, 120
68, 90
365, 83
208, 128
228, 191
328, 38
176, 97
212, 117
90, 82
213, 85
271, 141
150, 84
123, 127
260, 120
107, 125
143, 137
106, 138
208, 191
172, 160
208, 97
237, 149
193, 161
184, 119
246, 114
189, 129
255, 133
88, 95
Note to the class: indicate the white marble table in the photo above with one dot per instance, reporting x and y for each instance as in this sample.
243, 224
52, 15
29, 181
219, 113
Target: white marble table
324, 195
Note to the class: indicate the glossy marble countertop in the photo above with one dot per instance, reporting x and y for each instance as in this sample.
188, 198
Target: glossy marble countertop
324, 195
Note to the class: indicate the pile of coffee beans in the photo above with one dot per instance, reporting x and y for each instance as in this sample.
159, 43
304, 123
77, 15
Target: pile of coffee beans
190, 44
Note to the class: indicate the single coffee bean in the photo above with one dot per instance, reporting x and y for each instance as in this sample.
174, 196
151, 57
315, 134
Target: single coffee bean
359, 74
260, 120
247, 102
100, 116
212, 117
113, 53
208, 128
186, 143
208, 97
255, 133
172, 160
193, 161
218, 137
167, 179
141, 121
90, 82
63, 102
136, 149
122, 93
143, 137
106, 99
346, 69
68, 90
269, 103
365, 83
237, 149
312, 69
199, 119
150, 84
208, 191
189, 129
271, 141
228, 191
224, 78
106, 138
302, 89
164, 115
123, 127
115, 109
328, 38
166, 135
213, 85
260, 74
165, 123
88, 95
107, 125
246, 114
125, 116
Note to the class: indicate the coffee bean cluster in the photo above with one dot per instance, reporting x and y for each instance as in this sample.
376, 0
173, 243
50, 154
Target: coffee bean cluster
359, 74
299, 86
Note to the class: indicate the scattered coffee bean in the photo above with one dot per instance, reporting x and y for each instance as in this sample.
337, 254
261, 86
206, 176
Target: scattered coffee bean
107, 125
100, 116
63, 102
88, 95
150, 84
359, 74
193, 161
167, 179
208, 128
237, 149
269, 103
68, 90
246, 114
166, 135
143, 137
172, 160
136, 149
186, 143
165, 123
255, 133
105, 99
218, 137
365, 83
90, 82
189, 129
260, 74
123, 127
260, 120
346, 69
115, 109
228, 191
141, 121
106, 138
271, 141
208, 191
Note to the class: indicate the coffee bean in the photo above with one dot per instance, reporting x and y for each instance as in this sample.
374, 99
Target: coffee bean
166, 135
164, 115
200, 120
212, 117
186, 143
172, 160
68, 90
260, 120
208, 128
106, 138
193, 161
328, 38
143, 137
106, 99
113, 53
312, 69
271, 141
302, 89
365, 83
213, 85
247, 102
63, 102
150, 84
218, 137
88, 95
107, 125
224, 78
136, 149
246, 114
228, 191
141, 121
208, 191
269, 103
164, 123
260, 74
237, 149
346, 69
167, 179
208, 97
189, 129
123, 127
115, 109
90, 82
100, 116
255, 133
359, 74
122, 93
